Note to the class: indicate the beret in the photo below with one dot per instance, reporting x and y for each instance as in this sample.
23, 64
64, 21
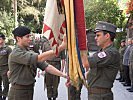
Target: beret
105, 26
21, 31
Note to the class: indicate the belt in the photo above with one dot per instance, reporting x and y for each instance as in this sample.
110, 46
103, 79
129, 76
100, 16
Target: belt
17, 86
98, 90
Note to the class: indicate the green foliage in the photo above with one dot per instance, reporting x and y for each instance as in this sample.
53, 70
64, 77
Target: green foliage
5, 5
32, 12
105, 10
102, 10
29, 12
119, 37
6, 23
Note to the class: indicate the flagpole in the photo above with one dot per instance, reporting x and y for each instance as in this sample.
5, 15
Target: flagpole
67, 68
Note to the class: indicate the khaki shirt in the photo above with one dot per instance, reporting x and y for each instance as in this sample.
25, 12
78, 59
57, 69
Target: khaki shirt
4, 54
103, 68
46, 47
23, 65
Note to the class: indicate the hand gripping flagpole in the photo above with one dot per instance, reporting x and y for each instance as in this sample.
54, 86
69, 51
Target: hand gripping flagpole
76, 34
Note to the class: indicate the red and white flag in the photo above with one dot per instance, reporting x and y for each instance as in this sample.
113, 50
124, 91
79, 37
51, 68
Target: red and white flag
54, 25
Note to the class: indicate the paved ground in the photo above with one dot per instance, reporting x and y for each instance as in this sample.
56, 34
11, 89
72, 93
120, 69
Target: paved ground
120, 92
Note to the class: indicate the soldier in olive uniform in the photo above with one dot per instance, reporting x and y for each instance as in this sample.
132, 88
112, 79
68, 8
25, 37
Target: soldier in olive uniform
121, 68
23, 65
103, 64
4, 54
34, 45
52, 81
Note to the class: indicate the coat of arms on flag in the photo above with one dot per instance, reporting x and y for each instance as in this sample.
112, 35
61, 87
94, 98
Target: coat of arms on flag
54, 26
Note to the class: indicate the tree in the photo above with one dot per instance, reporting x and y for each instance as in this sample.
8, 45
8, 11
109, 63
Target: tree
6, 23
32, 13
29, 13
105, 10
102, 10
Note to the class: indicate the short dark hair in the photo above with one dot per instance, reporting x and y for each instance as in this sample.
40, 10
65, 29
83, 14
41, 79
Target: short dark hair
112, 35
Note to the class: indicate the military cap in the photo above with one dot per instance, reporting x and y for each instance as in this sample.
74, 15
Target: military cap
2, 36
105, 26
21, 31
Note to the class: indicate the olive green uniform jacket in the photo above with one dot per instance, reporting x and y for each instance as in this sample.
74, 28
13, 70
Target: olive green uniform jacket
4, 54
103, 69
22, 66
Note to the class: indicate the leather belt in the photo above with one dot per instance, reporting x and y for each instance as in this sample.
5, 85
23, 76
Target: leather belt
98, 90
17, 86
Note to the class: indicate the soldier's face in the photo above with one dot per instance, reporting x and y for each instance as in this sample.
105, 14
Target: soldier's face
2, 41
100, 39
122, 44
25, 40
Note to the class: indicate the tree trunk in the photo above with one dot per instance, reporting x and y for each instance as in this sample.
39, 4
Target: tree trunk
15, 13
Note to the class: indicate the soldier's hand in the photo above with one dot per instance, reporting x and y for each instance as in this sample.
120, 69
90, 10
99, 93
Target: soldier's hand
65, 76
86, 73
63, 44
8, 74
68, 83
43, 73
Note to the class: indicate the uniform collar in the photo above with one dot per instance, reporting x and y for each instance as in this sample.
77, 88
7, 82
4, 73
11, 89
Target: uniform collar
108, 47
22, 48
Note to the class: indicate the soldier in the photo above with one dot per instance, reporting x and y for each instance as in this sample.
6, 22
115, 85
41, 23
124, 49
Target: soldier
34, 44
121, 69
103, 64
131, 68
37, 45
126, 63
4, 54
52, 81
23, 65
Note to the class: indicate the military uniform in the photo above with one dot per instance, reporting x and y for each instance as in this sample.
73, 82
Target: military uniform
121, 51
74, 93
22, 66
4, 53
103, 67
52, 81
35, 46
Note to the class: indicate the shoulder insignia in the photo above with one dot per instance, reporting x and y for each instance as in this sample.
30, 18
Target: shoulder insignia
102, 54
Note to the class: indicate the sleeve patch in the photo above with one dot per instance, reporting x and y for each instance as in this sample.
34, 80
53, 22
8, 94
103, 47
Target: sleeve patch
102, 54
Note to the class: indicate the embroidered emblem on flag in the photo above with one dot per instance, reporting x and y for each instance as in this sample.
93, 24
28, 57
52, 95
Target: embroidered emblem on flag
54, 26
